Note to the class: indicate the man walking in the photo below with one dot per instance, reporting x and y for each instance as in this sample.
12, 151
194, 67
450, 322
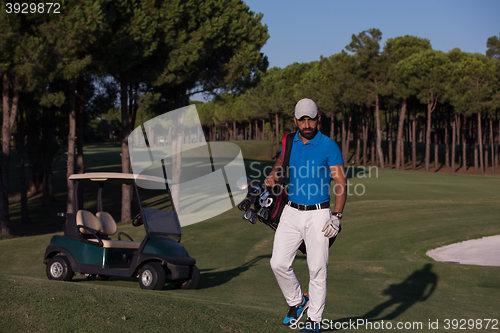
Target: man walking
314, 160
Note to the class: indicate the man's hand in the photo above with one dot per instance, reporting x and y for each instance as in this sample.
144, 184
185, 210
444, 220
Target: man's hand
270, 181
332, 227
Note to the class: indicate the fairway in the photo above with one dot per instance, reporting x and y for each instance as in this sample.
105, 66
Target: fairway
378, 271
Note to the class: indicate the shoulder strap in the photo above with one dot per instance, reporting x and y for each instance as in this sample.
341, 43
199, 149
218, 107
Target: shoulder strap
286, 150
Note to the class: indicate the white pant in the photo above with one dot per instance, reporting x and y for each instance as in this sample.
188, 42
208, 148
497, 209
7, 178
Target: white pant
295, 226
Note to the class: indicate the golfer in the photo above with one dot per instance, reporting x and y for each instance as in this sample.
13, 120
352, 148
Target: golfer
314, 160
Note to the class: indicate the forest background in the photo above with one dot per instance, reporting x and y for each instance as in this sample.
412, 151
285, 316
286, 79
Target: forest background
95, 70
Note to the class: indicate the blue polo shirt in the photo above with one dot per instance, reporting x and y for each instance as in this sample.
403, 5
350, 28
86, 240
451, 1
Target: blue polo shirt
310, 175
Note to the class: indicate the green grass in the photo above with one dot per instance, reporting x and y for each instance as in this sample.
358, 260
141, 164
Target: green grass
377, 270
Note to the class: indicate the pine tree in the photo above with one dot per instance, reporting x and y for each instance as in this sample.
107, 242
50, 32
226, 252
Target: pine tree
397, 49
426, 73
372, 73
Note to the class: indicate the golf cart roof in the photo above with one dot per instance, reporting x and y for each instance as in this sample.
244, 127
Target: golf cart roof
117, 178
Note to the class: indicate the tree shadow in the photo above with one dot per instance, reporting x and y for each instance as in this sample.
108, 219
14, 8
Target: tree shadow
415, 288
439, 168
211, 279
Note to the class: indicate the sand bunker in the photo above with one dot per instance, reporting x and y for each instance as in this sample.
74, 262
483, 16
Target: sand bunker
484, 251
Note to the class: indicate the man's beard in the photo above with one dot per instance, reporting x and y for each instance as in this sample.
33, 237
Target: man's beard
308, 135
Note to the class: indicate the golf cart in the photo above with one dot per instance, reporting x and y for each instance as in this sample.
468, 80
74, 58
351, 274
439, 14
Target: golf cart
86, 246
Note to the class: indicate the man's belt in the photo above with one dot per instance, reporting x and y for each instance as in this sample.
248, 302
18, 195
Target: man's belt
309, 207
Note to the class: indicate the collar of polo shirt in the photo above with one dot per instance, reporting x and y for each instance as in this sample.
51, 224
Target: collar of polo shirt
313, 141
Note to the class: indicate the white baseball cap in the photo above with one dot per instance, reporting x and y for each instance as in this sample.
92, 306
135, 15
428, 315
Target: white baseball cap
306, 107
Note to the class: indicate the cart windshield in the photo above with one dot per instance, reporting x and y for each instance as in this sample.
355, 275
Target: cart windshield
159, 217
155, 198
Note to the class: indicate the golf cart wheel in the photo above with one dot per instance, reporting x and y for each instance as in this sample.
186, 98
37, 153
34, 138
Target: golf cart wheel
193, 282
152, 276
59, 269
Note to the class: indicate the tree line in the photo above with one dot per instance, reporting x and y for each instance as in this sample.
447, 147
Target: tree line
379, 101
123, 62
59, 70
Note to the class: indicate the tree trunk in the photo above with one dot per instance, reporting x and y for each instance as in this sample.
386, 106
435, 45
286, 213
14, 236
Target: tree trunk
126, 189
332, 125
9, 117
430, 108
263, 133
410, 138
492, 143
389, 140
70, 164
453, 141
464, 145
403, 164
486, 162
358, 146
4, 199
380, 154
22, 173
400, 134
436, 150
446, 143
476, 158
80, 167
497, 149
414, 141
480, 143
428, 140
365, 142
386, 138
342, 138
348, 140
374, 154
79, 129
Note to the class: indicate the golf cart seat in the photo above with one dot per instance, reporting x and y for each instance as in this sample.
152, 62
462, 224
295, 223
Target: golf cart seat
108, 223
89, 221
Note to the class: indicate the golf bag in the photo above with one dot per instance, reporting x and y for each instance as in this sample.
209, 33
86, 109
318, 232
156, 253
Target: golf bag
268, 202
263, 199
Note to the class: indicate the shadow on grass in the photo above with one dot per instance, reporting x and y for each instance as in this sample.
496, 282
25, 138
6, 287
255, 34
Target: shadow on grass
211, 279
41, 226
415, 288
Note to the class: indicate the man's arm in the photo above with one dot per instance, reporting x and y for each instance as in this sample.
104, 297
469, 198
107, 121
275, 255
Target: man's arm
273, 177
340, 189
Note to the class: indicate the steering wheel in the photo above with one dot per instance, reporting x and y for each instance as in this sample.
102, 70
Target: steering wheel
137, 221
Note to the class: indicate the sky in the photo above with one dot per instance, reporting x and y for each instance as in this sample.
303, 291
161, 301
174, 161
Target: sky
302, 31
